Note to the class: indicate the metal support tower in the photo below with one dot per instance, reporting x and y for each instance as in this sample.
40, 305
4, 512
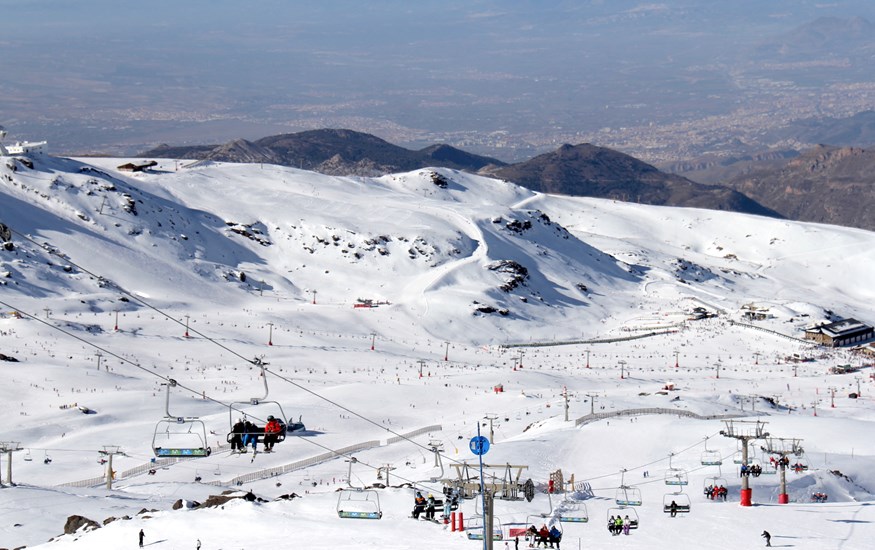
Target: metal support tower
782, 447
110, 451
9, 447
745, 431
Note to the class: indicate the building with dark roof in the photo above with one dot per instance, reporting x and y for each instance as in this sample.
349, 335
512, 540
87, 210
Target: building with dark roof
840, 333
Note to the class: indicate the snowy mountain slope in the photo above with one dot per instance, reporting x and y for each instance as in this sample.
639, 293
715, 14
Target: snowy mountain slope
429, 248
405, 237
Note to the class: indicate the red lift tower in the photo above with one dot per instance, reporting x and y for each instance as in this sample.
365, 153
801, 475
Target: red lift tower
744, 431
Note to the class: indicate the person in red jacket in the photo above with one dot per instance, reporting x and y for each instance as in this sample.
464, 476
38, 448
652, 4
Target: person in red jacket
271, 433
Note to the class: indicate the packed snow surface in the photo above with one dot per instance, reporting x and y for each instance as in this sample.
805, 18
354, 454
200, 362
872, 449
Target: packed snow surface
433, 303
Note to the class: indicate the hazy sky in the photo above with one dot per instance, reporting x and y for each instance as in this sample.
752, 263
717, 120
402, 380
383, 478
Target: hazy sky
403, 67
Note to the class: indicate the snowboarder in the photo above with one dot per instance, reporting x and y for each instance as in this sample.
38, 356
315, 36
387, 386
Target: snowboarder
142, 536
768, 537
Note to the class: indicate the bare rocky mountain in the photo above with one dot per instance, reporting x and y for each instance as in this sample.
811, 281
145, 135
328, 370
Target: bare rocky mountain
592, 171
826, 184
330, 151
715, 169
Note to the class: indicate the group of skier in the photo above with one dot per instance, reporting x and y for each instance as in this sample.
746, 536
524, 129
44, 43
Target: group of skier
716, 493
244, 433
427, 507
544, 536
617, 525
751, 470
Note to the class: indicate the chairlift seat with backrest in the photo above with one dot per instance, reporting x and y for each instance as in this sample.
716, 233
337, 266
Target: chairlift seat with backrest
474, 528
573, 512
354, 503
681, 500
623, 511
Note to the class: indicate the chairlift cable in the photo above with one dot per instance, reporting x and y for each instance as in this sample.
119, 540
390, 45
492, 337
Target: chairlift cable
146, 304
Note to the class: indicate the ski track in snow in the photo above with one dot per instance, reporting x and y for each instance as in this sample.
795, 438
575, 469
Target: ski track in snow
325, 347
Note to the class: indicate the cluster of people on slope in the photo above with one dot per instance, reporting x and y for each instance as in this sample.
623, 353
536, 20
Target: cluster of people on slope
544, 536
427, 507
819, 497
751, 470
716, 493
617, 525
244, 433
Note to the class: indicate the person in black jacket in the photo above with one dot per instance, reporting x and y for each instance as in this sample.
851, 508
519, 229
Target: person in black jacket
237, 432
768, 538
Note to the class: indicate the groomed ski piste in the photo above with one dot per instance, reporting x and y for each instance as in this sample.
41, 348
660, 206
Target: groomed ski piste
347, 289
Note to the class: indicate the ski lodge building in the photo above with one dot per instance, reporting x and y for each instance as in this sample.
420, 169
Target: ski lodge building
840, 333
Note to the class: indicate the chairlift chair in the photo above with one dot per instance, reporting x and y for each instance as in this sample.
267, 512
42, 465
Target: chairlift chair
356, 503
179, 436
626, 495
681, 500
475, 527
768, 464
798, 464
675, 476
573, 511
27, 457
624, 511
247, 408
711, 458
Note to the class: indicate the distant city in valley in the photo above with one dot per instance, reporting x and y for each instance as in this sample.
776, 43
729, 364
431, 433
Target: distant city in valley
661, 82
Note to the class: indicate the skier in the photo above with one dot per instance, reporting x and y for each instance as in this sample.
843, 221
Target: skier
555, 536
418, 505
271, 433
448, 507
429, 507
674, 508
252, 432
237, 432
768, 537
198, 546
627, 525
142, 536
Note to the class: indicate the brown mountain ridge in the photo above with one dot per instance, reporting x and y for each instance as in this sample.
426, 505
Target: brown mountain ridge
579, 170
